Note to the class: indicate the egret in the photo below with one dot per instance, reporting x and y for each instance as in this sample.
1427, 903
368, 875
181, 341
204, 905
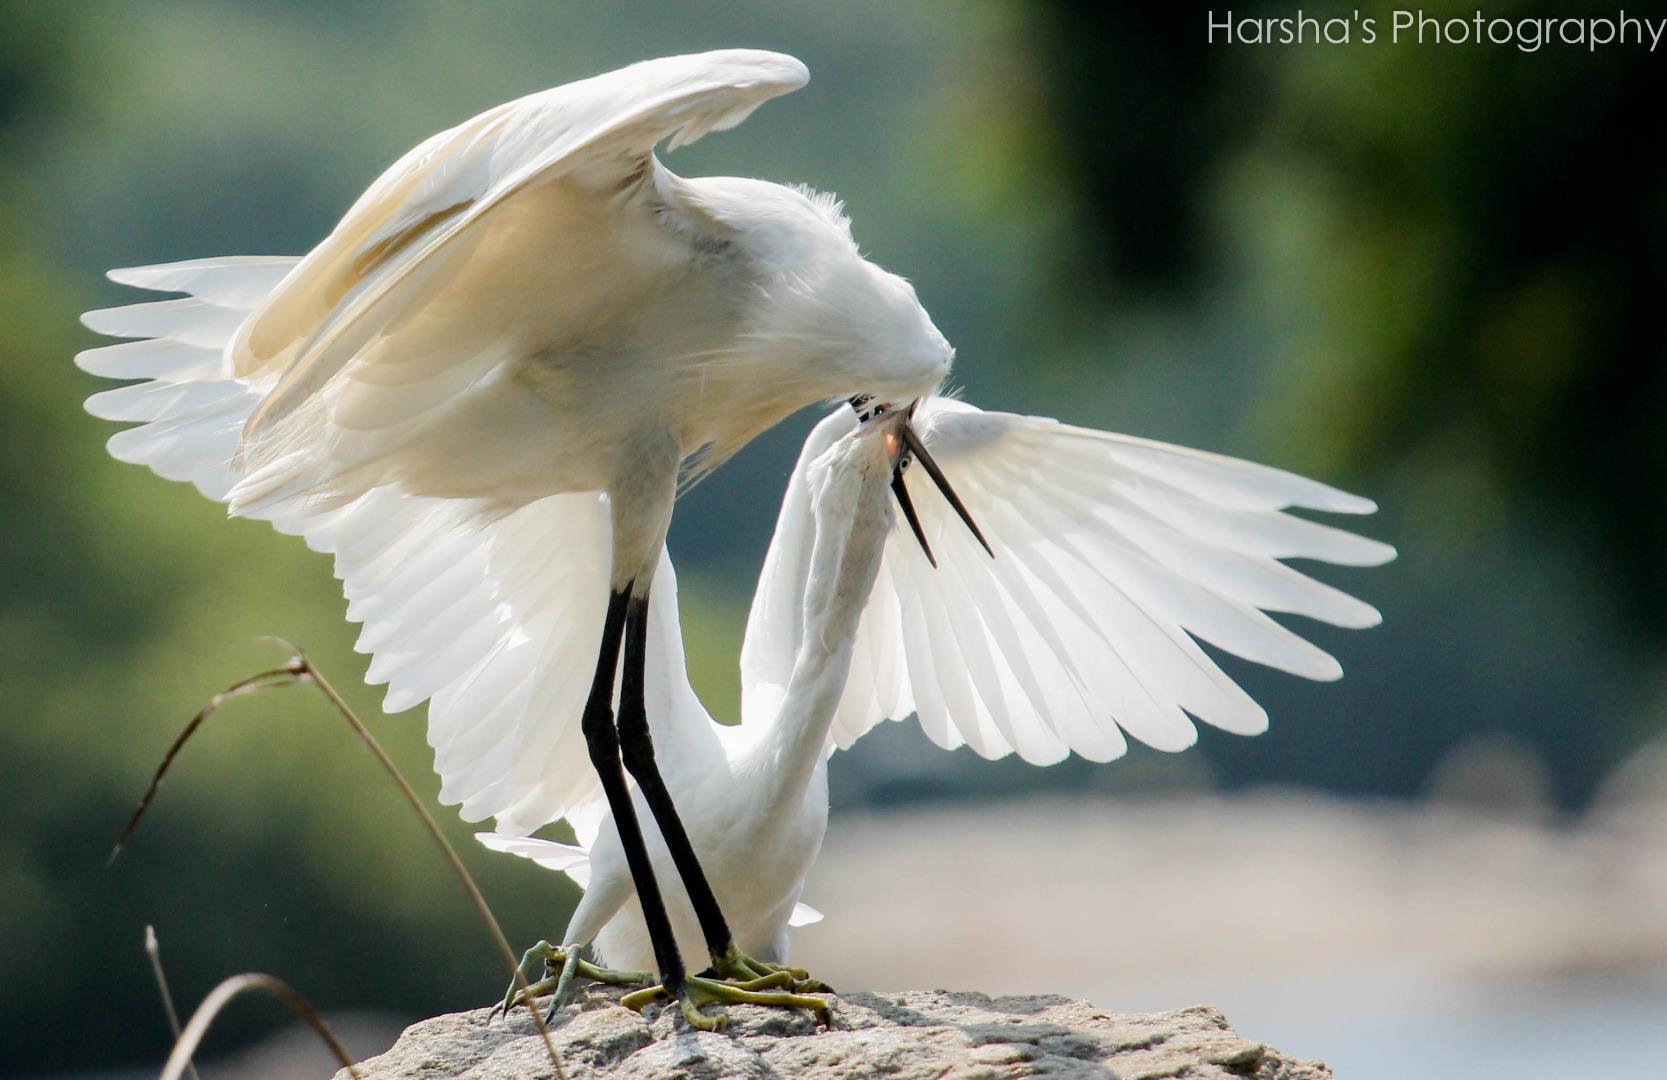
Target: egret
1114, 554
482, 391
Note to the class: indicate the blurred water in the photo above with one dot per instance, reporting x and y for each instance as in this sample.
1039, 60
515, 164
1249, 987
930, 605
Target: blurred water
1536, 1030
1389, 940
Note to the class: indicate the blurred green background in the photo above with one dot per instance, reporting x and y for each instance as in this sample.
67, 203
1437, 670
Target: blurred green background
1432, 275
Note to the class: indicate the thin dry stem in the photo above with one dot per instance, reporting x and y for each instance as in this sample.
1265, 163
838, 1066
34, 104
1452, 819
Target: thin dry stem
221, 996
266, 680
463, 875
300, 669
153, 949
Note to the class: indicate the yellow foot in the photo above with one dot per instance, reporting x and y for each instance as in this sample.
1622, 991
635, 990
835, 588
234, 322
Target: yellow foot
697, 990
737, 967
559, 967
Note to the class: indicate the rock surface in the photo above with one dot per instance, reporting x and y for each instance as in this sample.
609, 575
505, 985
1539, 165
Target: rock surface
915, 1034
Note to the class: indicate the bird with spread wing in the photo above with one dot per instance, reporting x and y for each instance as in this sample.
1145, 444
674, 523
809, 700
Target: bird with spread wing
1113, 555
482, 391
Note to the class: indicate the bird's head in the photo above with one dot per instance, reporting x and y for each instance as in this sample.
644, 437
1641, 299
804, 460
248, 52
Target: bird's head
875, 338
897, 354
850, 326
887, 437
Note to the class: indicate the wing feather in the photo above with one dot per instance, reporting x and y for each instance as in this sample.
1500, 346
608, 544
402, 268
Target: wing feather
238, 281
490, 613
188, 321
1115, 557
492, 618
152, 359
594, 135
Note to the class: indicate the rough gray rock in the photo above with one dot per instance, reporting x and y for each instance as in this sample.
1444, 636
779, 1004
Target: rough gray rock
914, 1035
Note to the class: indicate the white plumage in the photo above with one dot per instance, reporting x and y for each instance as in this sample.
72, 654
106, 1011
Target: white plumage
1073, 635
523, 312
478, 393
1115, 553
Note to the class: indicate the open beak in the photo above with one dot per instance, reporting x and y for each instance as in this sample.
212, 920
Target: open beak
915, 447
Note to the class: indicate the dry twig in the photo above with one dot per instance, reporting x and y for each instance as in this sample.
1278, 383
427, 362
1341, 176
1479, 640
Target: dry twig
300, 669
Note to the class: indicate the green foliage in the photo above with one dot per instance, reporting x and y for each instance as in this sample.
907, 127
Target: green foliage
1426, 273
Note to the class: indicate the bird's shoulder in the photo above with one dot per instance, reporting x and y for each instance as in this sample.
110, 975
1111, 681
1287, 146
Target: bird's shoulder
771, 223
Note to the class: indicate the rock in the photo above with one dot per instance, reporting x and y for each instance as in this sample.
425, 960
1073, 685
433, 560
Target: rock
922, 1034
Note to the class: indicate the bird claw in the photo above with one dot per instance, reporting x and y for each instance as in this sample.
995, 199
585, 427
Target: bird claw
534, 959
738, 968
559, 967
734, 979
698, 991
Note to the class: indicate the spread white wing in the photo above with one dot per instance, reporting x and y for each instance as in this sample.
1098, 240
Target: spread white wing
493, 618
491, 612
529, 222
1114, 557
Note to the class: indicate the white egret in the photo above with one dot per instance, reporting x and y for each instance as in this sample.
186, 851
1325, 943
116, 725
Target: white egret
481, 391
1114, 553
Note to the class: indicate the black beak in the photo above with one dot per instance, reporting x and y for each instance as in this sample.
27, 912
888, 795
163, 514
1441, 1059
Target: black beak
916, 448
901, 490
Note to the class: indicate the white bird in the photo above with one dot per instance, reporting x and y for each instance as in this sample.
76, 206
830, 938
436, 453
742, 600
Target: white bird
1114, 554
478, 392
482, 390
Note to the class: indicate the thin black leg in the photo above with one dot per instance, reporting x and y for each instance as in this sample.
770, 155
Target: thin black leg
604, 744
637, 750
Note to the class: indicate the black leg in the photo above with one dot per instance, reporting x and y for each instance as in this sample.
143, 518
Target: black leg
637, 750
604, 744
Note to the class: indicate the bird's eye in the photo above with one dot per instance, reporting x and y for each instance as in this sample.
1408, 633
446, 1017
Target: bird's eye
865, 408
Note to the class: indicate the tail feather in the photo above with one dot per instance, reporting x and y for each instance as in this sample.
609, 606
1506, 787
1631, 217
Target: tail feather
575, 863
569, 860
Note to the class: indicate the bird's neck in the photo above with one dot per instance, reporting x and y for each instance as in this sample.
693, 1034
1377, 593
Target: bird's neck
845, 561
796, 741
